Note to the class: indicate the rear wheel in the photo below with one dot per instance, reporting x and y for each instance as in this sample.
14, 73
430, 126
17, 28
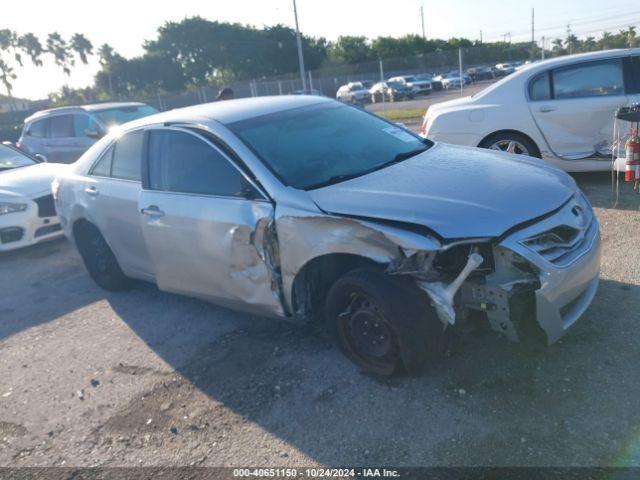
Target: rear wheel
382, 322
511, 142
99, 259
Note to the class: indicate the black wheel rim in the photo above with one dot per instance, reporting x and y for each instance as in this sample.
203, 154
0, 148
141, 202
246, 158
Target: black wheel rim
368, 334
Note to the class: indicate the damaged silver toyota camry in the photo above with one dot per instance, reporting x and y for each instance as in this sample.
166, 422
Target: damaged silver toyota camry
305, 208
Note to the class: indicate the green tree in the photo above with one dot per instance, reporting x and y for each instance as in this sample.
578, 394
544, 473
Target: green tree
348, 49
61, 52
81, 46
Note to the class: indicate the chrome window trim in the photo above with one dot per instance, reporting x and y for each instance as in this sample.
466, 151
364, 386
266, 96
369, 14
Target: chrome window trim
202, 138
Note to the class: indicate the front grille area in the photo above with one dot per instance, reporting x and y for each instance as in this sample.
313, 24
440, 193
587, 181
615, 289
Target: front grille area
46, 206
563, 244
11, 234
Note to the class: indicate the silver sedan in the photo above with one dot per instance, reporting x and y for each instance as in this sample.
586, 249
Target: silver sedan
305, 208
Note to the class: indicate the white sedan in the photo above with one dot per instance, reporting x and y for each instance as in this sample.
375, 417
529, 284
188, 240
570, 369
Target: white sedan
561, 110
27, 211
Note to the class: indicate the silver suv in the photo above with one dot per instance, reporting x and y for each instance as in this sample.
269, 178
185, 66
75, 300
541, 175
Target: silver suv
306, 208
63, 134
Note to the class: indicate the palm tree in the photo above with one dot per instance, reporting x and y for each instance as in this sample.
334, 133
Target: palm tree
7, 76
30, 45
572, 43
557, 46
606, 40
106, 56
60, 50
631, 36
81, 46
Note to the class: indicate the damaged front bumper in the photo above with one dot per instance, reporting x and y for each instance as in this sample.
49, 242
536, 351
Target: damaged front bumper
568, 278
546, 272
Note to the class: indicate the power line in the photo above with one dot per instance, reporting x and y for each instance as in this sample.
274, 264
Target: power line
592, 18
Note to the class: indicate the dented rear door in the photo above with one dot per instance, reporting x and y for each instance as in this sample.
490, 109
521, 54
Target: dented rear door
575, 111
204, 224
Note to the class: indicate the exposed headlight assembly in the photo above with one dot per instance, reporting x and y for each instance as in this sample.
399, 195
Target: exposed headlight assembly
6, 207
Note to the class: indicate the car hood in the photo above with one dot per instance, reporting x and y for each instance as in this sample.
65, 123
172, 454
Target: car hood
30, 181
457, 192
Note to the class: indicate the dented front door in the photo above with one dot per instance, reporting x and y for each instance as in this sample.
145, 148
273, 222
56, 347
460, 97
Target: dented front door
208, 245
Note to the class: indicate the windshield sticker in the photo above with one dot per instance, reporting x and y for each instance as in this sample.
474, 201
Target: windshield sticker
400, 134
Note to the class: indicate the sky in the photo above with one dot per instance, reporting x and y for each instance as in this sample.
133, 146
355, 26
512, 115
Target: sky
125, 24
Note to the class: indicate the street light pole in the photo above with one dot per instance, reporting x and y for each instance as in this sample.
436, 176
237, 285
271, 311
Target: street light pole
299, 41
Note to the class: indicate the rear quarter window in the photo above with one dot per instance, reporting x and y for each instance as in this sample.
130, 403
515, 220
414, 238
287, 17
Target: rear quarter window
38, 128
540, 87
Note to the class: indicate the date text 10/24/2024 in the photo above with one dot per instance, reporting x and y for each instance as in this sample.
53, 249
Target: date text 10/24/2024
316, 473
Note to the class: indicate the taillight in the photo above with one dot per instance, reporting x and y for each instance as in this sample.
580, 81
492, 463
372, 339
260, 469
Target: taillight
425, 126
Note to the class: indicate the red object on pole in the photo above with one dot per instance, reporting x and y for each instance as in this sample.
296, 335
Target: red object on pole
632, 157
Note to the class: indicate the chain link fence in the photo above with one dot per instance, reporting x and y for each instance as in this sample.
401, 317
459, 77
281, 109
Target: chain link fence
325, 80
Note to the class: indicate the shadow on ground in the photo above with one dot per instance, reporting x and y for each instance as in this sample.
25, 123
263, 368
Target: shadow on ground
50, 277
488, 403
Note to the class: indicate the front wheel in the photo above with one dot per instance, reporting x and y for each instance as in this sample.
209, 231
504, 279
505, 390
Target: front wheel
382, 322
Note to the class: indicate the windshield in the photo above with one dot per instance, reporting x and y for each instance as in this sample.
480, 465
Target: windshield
409, 79
10, 158
356, 86
120, 115
395, 85
424, 77
327, 143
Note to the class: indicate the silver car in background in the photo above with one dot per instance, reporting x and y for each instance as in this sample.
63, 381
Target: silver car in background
63, 134
309, 209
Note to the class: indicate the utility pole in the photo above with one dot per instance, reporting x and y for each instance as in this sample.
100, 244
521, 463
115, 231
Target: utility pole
424, 35
533, 40
544, 45
460, 69
299, 41
569, 38
480, 36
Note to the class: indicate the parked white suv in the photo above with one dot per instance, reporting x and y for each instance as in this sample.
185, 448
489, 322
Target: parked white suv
353, 92
561, 110
419, 87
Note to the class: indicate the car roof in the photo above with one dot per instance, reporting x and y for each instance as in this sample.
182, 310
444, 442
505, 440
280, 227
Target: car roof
94, 107
603, 54
229, 111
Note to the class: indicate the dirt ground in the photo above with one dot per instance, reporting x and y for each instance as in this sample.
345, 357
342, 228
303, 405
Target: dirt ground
148, 378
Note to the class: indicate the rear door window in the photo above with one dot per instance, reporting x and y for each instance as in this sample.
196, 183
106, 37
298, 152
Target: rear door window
61, 126
127, 156
589, 79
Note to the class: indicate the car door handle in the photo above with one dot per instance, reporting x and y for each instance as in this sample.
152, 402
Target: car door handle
546, 108
152, 211
93, 191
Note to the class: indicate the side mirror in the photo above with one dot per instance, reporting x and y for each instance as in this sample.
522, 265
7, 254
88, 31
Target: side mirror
41, 157
91, 133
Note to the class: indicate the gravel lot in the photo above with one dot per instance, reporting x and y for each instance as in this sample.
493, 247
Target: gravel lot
148, 378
